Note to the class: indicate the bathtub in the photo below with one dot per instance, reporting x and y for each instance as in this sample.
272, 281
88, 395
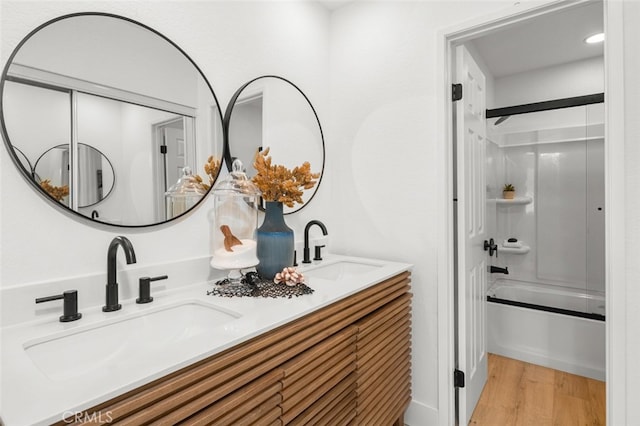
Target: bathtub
554, 327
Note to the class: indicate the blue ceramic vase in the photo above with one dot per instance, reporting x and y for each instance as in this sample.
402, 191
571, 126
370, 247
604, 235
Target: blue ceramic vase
275, 242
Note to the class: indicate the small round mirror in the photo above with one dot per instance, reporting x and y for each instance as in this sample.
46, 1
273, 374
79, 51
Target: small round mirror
95, 173
272, 112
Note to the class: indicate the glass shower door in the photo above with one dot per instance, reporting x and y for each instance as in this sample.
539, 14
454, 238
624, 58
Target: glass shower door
555, 159
595, 250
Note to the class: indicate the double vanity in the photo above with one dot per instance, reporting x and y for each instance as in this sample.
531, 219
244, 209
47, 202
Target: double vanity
339, 354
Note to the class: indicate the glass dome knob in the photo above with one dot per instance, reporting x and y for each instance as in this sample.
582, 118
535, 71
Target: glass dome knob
237, 166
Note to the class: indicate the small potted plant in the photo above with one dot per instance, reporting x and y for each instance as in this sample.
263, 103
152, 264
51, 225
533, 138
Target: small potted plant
508, 191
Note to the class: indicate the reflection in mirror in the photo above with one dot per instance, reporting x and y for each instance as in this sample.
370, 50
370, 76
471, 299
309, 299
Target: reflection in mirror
124, 90
272, 112
95, 173
24, 160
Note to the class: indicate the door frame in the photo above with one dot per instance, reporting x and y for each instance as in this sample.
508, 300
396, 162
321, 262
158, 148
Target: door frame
447, 39
159, 161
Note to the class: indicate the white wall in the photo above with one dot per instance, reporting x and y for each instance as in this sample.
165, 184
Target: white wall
562, 81
384, 62
140, 50
246, 125
384, 154
51, 110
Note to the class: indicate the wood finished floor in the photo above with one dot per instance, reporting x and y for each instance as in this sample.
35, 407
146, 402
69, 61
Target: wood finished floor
519, 393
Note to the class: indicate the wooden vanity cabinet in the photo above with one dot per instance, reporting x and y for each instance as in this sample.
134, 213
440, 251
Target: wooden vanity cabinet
383, 368
345, 364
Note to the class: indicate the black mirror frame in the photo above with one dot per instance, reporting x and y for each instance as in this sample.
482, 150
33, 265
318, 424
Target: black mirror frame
28, 176
227, 120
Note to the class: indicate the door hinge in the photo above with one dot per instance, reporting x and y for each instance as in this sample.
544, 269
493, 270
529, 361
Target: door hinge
163, 149
458, 378
456, 92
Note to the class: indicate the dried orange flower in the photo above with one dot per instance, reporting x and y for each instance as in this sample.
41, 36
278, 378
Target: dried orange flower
211, 168
277, 183
57, 192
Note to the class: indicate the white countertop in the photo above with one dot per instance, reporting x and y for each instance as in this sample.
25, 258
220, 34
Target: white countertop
30, 397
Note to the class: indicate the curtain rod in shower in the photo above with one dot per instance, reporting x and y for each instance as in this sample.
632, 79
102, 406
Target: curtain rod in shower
546, 105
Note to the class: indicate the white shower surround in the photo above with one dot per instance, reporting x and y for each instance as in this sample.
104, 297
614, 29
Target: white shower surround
565, 230
562, 342
556, 159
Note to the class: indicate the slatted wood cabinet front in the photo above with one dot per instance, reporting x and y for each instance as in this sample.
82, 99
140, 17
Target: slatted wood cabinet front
346, 364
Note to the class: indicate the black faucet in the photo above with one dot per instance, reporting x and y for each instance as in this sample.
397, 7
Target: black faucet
307, 256
495, 269
111, 303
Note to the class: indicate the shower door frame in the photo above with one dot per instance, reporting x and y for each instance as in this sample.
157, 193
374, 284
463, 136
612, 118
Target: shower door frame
616, 328
550, 105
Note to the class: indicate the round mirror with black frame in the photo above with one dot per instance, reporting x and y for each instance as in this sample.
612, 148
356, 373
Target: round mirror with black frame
127, 91
270, 111
96, 176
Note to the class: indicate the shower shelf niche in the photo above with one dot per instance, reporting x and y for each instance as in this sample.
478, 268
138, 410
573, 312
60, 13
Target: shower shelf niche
517, 201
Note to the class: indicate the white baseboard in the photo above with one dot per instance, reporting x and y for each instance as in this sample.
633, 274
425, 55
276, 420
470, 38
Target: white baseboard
419, 414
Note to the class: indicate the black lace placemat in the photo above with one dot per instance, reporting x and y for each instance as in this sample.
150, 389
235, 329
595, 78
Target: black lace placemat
254, 286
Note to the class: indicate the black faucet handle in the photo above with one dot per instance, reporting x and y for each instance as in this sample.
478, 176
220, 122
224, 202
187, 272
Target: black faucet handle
318, 253
70, 305
491, 246
145, 288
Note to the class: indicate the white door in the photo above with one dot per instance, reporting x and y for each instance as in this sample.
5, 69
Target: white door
175, 157
171, 155
471, 232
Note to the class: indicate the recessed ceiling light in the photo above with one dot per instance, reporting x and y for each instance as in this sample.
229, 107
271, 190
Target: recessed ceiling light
596, 38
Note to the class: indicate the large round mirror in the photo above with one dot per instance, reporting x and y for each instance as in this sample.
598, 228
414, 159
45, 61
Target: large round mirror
272, 112
126, 91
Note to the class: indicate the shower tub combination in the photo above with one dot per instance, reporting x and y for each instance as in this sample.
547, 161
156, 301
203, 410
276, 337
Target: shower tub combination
550, 309
556, 327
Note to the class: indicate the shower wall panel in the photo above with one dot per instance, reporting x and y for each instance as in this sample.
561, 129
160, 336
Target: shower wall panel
564, 224
561, 213
518, 221
595, 216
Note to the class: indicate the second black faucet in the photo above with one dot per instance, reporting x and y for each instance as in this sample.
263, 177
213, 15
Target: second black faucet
307, 254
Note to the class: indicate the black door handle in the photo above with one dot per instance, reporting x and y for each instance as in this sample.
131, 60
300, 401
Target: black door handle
491, 246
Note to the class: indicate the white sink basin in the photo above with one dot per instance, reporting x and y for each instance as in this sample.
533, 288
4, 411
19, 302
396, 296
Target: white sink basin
124, 345
341, 269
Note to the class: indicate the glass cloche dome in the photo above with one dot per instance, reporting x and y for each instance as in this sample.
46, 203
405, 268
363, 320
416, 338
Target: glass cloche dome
234, 224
